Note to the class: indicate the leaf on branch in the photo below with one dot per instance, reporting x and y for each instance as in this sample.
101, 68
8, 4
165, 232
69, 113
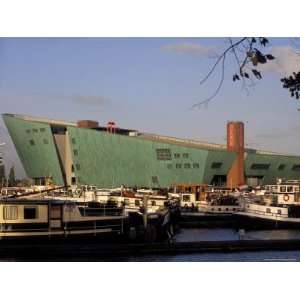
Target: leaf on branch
257, 74
270, 57
260, 57
263, 41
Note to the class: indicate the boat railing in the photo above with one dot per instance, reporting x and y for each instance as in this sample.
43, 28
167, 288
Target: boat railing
264, 213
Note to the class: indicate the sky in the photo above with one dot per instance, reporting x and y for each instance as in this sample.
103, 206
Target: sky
149, 84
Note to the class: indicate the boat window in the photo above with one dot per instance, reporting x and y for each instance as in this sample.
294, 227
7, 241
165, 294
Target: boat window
219, 209
31, 142
268, 210
42, 129
75, 152
30, 212
137, 202
233, 209
10, 212
195, 165
283, 189
178, 166
73, 141
289, 189
296, 188
35, 130
279, 211
187, 166
281, 167
185, 155
185, 198
177, 155
153, 203
126, 201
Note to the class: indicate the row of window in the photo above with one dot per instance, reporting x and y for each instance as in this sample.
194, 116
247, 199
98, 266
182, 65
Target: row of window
35, 130
184, 155
11, 213
165, 154
32, 142
281, 167
186, 166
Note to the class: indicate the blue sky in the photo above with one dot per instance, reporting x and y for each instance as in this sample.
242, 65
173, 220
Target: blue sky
149, 84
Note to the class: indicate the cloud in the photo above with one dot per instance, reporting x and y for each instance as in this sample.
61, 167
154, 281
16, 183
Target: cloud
91, 100
191, 48
287, 61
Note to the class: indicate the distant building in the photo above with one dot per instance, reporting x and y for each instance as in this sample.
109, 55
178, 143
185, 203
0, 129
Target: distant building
108, 156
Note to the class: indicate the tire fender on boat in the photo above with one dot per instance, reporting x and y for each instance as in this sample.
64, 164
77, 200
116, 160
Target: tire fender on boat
286, 197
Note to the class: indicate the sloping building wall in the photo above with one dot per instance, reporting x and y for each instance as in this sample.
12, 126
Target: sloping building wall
35, 147
270, 167
111, 160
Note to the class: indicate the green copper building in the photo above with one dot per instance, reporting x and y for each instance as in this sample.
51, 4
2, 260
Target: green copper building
86, 153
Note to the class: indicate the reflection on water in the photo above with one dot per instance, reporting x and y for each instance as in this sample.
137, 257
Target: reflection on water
216, 234
220, 234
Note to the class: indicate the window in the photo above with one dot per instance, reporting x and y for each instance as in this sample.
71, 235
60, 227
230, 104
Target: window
219, 209
72, 168
268, 210
31, 142
185, 155
137, 202
28, 130
42, 129
187, 166
163, 154
177, 155
35, 130
186, 198
178, 166
283, 189
154, 179
195, 165
169, 166
289, 189
279, 211
296, 168
281, 167
10, 212
260, 166
73, 141
30, 212
216, 165
153, 203
45, 141
78, 167
75, 152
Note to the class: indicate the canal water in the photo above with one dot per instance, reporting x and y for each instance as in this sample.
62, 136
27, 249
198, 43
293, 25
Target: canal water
216, 234
203, 234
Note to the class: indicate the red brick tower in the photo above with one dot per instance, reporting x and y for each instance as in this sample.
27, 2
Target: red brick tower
235, 143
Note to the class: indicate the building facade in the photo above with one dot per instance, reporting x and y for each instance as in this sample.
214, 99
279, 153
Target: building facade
86, 153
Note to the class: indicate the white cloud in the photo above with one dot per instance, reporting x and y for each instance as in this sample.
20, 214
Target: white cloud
191, 48
287, 60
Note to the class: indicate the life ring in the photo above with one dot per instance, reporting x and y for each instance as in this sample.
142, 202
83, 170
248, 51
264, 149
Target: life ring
286, 197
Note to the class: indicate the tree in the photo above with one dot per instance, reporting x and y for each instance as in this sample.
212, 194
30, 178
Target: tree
248, 52
11, 177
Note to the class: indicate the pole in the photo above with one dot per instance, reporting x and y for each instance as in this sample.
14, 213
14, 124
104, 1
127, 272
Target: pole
145, 214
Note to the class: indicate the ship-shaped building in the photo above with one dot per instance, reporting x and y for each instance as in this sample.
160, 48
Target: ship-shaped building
85, 153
